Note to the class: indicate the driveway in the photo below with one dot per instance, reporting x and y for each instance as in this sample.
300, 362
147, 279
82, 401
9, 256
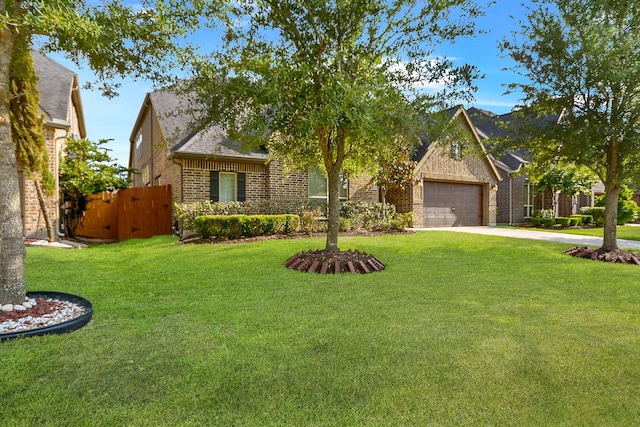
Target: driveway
572, 239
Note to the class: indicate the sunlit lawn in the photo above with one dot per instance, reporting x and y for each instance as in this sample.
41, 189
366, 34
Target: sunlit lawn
625, 232
459, 329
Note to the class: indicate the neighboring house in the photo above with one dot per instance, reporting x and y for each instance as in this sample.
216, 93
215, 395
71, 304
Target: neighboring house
516, 195
453, 185
208, 166
61, 107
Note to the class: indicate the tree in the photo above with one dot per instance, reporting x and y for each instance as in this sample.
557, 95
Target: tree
26, 126
87, 169
580, 60
562, 178
114, 40
395, 170
332, 83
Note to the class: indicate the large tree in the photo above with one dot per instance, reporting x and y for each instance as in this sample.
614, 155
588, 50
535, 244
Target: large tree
113, 39
330, 83
580, 62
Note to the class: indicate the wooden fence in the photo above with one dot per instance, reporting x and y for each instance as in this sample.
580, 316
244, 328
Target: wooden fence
127, 214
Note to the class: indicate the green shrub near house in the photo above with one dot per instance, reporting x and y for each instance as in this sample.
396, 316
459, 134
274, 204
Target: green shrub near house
563, 221
575, 220
596, 214
237, 226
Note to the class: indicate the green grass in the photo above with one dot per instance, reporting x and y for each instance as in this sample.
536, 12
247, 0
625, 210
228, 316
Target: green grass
625, 232
457, 330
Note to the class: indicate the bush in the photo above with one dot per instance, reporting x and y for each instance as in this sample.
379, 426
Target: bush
596, 214
563, 221
548, 222
536, 221
405, 219
372, 216
627, 208
310, 221
187, 212
543, 213
236, 226
575, 220
346, 224
587, 219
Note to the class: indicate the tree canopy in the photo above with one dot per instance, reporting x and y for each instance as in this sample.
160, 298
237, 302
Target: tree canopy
581, 90
332, 83
112, 38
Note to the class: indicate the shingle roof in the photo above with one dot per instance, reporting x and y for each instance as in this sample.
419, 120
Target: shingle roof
179, 127
55, 84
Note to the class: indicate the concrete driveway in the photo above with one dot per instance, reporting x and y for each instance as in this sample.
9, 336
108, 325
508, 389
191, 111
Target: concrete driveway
537, 235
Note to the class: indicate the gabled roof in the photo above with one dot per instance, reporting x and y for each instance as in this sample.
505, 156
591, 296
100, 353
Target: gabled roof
490, 125
178, 125
452, 114
59, 90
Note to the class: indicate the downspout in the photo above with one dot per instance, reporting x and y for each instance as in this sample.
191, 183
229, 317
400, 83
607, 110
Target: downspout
510, 199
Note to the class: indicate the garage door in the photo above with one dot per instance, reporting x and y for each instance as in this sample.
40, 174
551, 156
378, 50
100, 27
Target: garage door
452, 205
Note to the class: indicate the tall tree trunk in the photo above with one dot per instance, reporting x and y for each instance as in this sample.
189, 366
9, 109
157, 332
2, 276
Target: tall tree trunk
51, 236
612, 192
12, 250
333, 177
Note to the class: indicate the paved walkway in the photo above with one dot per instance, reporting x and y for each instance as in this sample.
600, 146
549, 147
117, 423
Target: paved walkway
573, 239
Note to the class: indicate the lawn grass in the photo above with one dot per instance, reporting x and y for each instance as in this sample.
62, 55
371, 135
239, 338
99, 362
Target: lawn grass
625, 232
459, 329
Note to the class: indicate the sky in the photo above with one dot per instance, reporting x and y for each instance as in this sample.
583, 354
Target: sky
114, 118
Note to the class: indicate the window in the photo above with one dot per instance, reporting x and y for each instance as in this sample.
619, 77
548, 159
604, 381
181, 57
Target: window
139, 145
318, 184
227, 186
528, 199
157, 180
456, 150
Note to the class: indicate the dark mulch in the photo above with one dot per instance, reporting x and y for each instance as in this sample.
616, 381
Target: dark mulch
599, 254
213, 239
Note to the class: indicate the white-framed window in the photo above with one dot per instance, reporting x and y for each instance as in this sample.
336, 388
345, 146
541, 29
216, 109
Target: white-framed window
319, 184
227, 187
139, 145
529, 191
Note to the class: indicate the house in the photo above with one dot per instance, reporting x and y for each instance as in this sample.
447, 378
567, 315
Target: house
517, 198
61, 107
206, 165
453, 185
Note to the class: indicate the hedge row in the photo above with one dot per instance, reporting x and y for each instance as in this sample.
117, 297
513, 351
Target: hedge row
237, 226
572, 221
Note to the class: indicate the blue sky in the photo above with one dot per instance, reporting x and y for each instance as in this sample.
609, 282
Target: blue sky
114, 118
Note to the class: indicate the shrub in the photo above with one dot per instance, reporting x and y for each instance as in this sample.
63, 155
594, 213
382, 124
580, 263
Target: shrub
587, 219
406, 219
563, 221
627, 208
366, 214
596, 214
187, 212
575, 220
309, 221
548, 222
236, 226
543, 213
536, 221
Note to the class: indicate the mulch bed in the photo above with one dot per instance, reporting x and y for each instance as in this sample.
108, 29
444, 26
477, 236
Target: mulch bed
599, 254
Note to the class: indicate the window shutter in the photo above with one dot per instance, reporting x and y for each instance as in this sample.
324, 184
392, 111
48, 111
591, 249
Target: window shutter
214, 186
242, 187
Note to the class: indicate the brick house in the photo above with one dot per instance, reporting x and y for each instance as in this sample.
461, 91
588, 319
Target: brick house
453, 185
206, 165
61, 107
516, 195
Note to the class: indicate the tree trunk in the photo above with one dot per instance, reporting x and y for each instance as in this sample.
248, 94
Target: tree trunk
51, 236
12, 250
333, 177
612, 192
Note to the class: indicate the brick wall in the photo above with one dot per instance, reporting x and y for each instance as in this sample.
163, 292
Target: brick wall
510, 197
361, 189
285, 184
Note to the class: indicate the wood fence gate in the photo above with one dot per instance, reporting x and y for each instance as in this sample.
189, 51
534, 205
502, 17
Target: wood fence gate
127, 214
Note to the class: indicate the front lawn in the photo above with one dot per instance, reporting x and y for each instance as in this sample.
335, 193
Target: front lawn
459, 329
625, 232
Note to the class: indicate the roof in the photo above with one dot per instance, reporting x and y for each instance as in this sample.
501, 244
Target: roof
59, 90
178, 122
490, 125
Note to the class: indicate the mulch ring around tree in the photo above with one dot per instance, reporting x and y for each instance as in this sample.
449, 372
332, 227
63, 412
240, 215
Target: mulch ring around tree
599, 254
327, 262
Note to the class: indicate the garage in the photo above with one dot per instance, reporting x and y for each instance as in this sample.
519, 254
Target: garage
448, 204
